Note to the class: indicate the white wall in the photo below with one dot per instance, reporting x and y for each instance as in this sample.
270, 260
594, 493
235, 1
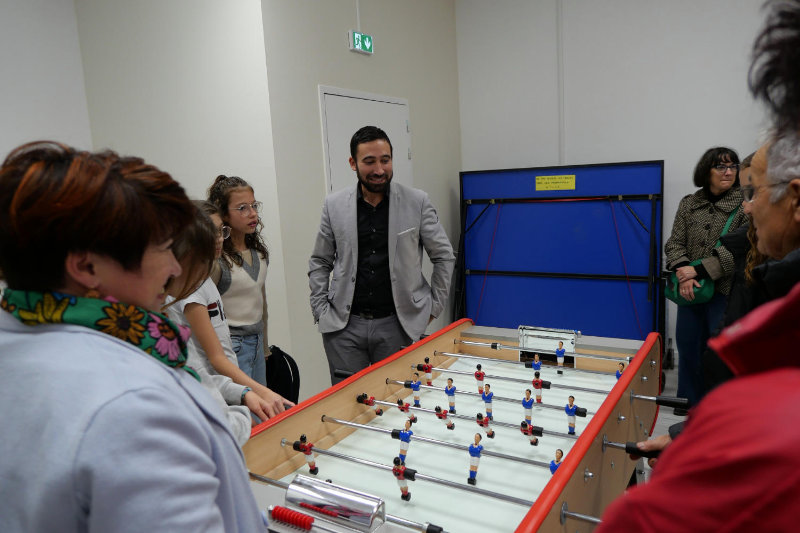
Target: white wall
643, 79
184, 84
42, 94
415, 58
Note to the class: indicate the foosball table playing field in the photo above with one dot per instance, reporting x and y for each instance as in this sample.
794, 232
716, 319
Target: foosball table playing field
457, 433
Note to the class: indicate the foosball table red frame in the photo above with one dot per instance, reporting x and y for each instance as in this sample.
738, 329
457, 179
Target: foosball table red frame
590, 477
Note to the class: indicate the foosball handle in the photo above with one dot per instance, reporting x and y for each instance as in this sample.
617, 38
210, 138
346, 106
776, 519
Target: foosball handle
630, 447
340, 373
672, 401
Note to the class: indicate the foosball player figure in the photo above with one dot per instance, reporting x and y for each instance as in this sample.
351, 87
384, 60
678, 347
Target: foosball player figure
415, 384
536, 364
479, 378
428, 368
370, 402
527, 405
620, 370
571, 409
560, 355
537, 383
404, 407
306, 447
442, 415
405, 439
557, 462
486, 396
475, 450
450, 391
484, 423
527, 430
399, 471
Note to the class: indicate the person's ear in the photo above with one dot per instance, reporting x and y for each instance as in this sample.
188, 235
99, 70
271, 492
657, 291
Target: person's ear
80, 268
353, 163
793, 190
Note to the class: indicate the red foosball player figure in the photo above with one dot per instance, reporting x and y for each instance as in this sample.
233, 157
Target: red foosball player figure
450, 391
537, 383
620, 370
428, 368
399, 471
306, 447
370, 402
484, 423
404, 407
442, 415
527, 430
475, 450
479, 378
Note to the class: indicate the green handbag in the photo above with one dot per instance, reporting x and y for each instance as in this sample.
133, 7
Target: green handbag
705, 291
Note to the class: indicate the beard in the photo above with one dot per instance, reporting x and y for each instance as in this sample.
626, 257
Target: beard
374, 187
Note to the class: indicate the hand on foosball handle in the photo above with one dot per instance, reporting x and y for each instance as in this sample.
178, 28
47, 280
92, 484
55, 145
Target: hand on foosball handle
650, 448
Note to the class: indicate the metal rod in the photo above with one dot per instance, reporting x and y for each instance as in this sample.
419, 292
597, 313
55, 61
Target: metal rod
471, 419
389, 518
566, 513
326, 418
500, 346
666, 401
518, 380
423, 477
496, 360
475, 394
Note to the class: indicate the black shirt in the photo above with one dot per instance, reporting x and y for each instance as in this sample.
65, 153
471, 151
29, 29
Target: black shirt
373, 292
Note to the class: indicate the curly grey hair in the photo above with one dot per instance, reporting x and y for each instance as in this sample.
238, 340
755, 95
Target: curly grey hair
783, 164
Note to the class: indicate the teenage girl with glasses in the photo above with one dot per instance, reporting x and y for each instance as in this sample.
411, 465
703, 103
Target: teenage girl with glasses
242, 273
195, 302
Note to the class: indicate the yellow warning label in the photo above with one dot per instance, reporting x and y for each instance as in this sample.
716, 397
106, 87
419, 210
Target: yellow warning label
555, 183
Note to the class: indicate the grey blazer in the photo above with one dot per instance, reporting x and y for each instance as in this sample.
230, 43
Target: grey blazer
413, 225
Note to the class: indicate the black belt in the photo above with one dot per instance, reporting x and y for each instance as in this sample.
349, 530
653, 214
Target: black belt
372, 315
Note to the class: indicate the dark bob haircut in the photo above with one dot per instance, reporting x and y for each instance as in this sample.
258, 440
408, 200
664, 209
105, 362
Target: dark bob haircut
710, 159
55, 200
195, 248
365, 135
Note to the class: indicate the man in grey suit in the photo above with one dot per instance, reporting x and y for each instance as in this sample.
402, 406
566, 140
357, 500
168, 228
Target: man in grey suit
371, 237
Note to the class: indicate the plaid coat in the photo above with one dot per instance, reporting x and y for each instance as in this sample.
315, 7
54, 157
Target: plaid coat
698, 225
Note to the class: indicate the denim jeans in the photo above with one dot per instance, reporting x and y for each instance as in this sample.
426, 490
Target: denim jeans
249, 351
692, 330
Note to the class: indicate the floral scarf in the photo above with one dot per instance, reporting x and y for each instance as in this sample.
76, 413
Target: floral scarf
152, 332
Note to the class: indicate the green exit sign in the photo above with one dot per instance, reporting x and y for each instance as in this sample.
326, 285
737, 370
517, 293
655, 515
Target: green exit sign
361, 42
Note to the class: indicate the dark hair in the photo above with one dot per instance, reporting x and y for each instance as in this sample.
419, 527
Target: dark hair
207, 207
746, 162
219, 194
195, 249
710, 159
365, 135
774, 75
55, 200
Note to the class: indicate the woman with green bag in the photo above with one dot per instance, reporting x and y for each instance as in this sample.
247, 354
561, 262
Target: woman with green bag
699, 261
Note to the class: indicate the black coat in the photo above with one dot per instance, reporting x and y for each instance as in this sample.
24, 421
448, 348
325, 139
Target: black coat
772, 280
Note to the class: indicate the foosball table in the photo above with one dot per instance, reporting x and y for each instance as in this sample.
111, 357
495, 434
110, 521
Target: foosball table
426, 440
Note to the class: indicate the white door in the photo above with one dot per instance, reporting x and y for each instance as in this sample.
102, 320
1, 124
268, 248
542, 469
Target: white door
343, 113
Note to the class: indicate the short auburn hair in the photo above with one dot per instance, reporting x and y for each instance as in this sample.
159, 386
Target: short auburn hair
55, 199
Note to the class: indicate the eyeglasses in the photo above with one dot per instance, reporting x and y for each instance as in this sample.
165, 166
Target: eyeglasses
224, 231
244, 209
749, 192
723, 168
